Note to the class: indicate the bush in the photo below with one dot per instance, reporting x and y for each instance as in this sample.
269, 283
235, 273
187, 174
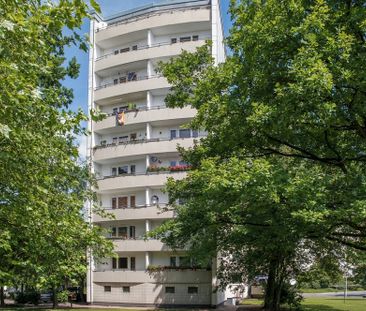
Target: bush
63, 296
291, 296
27, 297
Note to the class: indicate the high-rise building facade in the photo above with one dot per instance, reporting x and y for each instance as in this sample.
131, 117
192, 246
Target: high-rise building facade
134, 150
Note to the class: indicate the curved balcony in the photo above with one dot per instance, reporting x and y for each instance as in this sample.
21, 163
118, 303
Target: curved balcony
138, 212
103, 154
144, 53
107, 91
168, 276
152, 180
143, 116
173, 17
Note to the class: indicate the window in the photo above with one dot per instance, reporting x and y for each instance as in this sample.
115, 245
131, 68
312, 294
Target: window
122, 232
115, 111
134, 48
114, 203
194, 133
114, 171
123, 108
124, 50
173, 163
122, 139
114, 263
133, 136
103, 142
133, 169
116, 52
132, 232
195, 38
192, 290
132, 201
173, 134
122, 80
133, 263
126, 289
185, 39
115, 81
122, 170
131, 76
184, 133
122, 202
183, 163
114, 140
173, 261
122, 263
107, 288
169, 289
184, 261
173, 40
114, 232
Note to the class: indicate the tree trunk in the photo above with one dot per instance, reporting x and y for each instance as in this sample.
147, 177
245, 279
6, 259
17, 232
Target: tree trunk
2, 297
274, 285
81, 285
54, 297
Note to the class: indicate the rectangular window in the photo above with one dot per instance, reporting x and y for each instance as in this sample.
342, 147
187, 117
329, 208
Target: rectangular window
132, 201
122, 263
116, 52
184, 133
122, 80
122, 170
114, 203
107, 289
192, 290
115, 111
173, 40
122, 232
126, 289
132, 169
184, 261
134, 48
195, 38
173, 163
122, 139
114, 232
131, 76
114, 140
183, 163
133, 136
122, 202
124, 50
123, 108
194, 133
185, 39
114, 171
173, 261
133, 263
103, 142
169, 289
173, 134
114, 263
115, 81
132, 232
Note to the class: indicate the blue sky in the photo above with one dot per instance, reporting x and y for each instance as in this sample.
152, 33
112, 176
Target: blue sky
109, 7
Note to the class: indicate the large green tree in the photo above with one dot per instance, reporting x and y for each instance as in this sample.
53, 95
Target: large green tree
281, 174
43, 185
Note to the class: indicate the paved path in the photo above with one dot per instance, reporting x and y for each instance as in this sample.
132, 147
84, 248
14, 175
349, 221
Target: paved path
336, 294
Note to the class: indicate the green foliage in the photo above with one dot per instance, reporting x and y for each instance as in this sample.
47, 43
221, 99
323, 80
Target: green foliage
280, 178
30, 296
43, 185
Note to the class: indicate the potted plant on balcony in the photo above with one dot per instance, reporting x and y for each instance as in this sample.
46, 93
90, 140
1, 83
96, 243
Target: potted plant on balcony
131, 107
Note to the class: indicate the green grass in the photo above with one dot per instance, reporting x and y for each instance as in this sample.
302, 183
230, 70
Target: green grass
320, 290
322, 304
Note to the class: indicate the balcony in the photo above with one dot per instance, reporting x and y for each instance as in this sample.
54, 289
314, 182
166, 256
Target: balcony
137, 212
139, 245
103, 154
169, 276
174, 17
142, 181
151, 115
142, 84
162, 49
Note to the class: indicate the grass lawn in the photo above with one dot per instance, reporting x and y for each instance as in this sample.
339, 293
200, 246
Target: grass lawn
323, 304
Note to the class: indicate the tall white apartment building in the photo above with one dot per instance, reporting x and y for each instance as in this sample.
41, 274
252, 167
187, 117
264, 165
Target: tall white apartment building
134, 150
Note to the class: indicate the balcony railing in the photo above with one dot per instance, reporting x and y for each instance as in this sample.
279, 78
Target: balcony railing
136, 16
139, 141
137, 206
144, 47
139, 78
143, 108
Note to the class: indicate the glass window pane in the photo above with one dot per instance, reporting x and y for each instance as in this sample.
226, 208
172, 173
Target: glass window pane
185, 133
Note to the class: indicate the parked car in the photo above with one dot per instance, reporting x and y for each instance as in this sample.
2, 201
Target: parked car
46, 297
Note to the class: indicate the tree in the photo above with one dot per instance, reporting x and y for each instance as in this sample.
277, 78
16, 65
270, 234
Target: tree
281, 174
43, 185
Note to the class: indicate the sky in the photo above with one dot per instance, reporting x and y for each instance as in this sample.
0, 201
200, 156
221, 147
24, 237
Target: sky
80, 85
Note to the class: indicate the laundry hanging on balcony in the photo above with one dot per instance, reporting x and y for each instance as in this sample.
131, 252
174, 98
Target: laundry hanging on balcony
120, 118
